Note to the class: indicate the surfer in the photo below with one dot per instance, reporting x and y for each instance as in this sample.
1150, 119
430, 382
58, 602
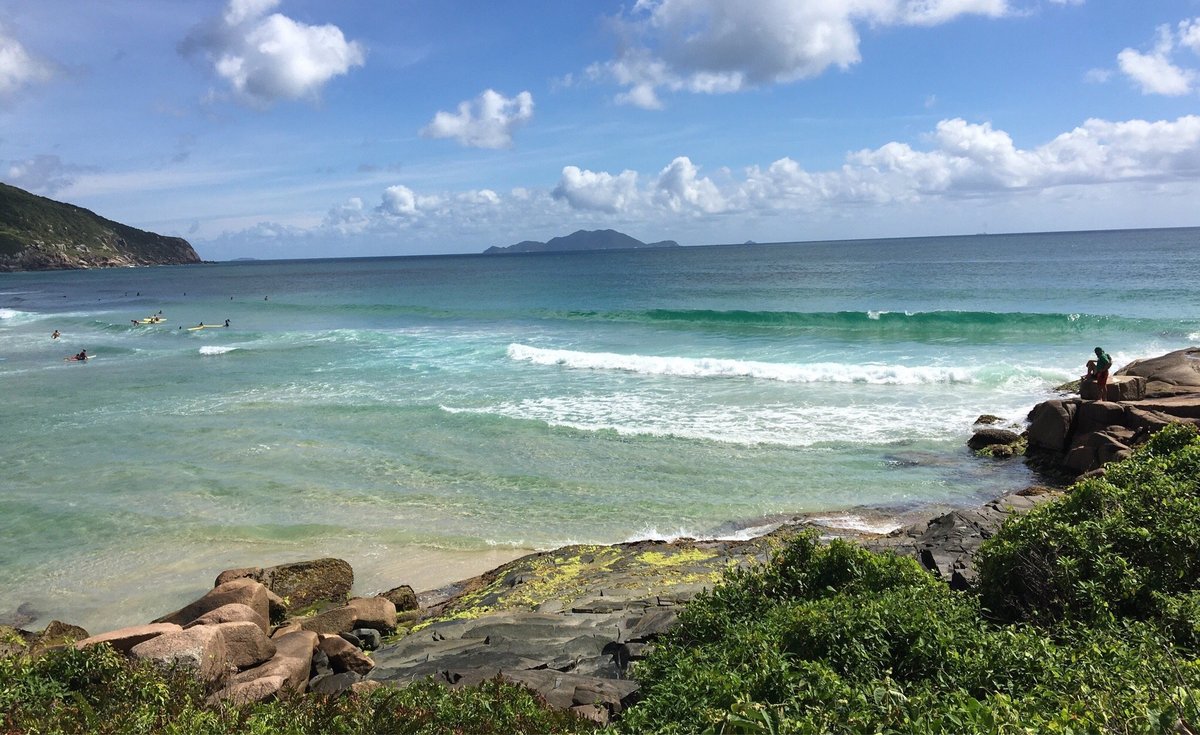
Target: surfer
227, 322
55, 335
81, 357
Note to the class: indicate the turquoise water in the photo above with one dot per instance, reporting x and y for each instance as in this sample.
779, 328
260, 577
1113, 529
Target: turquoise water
423, 417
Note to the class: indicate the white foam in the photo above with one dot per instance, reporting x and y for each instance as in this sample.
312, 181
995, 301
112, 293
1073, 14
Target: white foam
781, 424
13, 316
652, 533
713, 367
856, 523
215, 350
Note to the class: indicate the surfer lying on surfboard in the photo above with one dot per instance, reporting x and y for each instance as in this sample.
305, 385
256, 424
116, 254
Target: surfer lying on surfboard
81, 357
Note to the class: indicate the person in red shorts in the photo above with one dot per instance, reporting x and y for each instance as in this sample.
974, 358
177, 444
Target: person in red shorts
1098, 371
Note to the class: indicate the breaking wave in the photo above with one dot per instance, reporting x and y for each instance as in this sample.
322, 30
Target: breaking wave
711, 367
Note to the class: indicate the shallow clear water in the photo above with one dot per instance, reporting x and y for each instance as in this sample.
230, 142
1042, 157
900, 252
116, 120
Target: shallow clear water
421, 417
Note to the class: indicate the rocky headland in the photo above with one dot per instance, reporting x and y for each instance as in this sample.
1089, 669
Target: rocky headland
569, 623
37, 233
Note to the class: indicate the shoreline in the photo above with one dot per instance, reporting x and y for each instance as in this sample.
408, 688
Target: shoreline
430, 572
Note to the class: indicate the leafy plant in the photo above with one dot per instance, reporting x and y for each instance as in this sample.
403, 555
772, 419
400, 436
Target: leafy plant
1125, 546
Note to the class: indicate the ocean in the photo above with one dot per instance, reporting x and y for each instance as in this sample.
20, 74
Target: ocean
426, 418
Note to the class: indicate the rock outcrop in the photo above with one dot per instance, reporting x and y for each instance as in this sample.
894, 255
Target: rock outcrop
300, 584
1173, 374
37, 233
1071, 437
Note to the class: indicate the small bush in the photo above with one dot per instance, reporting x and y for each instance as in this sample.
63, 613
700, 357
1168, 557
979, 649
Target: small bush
98, 691
1123, 547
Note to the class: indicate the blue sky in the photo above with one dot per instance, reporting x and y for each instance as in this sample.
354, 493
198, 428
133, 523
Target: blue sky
297, 128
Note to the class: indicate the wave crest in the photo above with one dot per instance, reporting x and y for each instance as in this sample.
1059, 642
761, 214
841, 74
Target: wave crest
713, 367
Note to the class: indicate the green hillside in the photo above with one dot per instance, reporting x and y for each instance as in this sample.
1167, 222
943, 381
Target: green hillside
37, 233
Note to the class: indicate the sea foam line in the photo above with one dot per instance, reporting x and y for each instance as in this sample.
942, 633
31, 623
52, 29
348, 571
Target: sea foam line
215, 350
713, 367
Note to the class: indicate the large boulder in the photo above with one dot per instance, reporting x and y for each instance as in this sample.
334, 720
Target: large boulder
292, 661
124, 639
234, 612
264, 689
991, 436
14, 641
345, 656
403, 597
246, 644
55, 635
1172, 374
201, 649
1050, 425
237, 591
378, 613
301, 583
1119, 388
335, 621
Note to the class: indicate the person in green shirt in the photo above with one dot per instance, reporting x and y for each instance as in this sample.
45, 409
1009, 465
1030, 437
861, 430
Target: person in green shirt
1098, 370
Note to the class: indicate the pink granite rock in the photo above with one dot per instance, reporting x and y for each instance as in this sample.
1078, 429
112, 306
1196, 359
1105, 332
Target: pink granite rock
292, 661
265, 689
234, 612
126, 638
201, 649
241, 591
338, 620
374, 612
245, 643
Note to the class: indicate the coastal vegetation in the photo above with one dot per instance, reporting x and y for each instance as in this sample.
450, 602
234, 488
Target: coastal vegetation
1085, 618
37, 233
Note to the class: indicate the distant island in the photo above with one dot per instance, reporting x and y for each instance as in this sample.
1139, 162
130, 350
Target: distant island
581, 240
37, 233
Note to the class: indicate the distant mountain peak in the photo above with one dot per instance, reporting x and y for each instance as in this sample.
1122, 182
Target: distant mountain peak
581, 240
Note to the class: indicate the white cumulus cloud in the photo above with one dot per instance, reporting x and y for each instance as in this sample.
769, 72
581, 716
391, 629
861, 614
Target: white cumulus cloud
600, 191
488, 121
399, 200
974, 160
19, 68
1157, 72
266, 57
716, 46
679, 187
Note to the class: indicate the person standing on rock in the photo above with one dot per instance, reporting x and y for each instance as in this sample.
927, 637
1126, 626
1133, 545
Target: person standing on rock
1100, 373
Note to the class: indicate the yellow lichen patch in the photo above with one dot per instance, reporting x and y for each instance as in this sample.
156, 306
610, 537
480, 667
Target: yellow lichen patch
679, 558
469, 613
560, 578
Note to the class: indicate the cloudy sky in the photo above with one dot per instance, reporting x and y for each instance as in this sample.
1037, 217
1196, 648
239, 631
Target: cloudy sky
300, 128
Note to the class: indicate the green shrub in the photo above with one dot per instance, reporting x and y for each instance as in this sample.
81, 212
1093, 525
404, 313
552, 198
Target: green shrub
98, 691
836, 639
1123, 547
